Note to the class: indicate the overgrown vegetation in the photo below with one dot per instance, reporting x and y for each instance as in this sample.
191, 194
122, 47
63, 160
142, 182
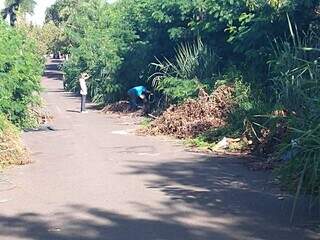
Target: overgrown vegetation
20, 71
266, 51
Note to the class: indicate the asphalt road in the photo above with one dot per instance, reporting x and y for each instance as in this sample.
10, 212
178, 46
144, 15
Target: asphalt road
92, 178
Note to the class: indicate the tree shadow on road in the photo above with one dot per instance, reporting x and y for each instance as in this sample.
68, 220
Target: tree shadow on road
230, 202
52, 71
99, 224
223, 187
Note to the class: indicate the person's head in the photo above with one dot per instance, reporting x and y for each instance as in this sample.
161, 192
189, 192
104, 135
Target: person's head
85, 75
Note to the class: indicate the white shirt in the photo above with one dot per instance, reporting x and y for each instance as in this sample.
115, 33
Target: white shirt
83, 86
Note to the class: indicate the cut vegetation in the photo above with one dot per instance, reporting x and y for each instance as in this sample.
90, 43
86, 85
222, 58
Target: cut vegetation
12, 150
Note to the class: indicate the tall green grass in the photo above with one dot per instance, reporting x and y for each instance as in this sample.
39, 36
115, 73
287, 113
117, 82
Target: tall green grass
193, 67
296, 76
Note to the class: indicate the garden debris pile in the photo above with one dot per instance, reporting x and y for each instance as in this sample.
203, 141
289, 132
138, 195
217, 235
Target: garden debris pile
195, 116
12, 151
272, 135
122, 107
118, 107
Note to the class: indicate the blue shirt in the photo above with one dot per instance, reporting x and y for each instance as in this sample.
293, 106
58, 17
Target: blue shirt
138, 91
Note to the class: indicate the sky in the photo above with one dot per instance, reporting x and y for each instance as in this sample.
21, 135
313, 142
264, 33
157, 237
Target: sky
40, 10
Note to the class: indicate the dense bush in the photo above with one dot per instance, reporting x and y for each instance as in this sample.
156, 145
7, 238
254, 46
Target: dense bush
98, 46
194, 67
20, 71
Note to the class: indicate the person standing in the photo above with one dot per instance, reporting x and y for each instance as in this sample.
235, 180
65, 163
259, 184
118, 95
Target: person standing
83, 90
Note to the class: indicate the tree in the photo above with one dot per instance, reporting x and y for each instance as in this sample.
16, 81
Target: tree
60, 11
20, 72
25, 6
11, 11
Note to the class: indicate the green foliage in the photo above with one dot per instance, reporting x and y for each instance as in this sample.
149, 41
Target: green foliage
295, 72
201, 143
193, 68
177, 89
46, 37
20, 71
295, 77
195, 61
301, 172
97, 49
145, 122
139, 31
60, 11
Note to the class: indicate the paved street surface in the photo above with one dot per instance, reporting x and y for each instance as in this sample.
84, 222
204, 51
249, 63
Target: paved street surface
92, 178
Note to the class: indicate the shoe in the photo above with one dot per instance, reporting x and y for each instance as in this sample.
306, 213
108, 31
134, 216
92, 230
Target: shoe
83, 111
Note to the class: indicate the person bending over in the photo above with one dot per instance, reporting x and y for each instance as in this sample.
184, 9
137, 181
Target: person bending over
138, 94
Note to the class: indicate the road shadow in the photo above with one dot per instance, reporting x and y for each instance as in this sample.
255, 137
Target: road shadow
57, 61
99, 224
53, 70
73, 111
223, 187
55, 91
96, 107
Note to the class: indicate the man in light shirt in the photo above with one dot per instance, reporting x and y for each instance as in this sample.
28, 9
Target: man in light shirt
83, 90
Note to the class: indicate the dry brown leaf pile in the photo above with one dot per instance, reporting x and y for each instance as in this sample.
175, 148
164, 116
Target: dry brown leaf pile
118, 107
122, 108
195, 116
12, 150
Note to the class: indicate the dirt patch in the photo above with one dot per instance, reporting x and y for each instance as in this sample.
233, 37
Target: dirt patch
195, 116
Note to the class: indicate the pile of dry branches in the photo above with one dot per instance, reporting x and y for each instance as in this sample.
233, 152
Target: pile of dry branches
12, 150
122, 108
118, 107
195, 116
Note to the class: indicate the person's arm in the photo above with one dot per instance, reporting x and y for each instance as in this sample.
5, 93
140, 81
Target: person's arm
86, 76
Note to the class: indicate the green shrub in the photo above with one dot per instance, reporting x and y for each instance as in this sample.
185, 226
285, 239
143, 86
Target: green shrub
98, 48
247, 104
178, 90
295, 77
20, 72
193, 68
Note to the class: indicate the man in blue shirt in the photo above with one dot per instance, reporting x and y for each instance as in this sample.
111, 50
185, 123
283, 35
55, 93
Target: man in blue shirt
136, 94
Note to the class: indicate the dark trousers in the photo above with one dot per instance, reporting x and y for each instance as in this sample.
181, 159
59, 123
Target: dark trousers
83, 103
133, 99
